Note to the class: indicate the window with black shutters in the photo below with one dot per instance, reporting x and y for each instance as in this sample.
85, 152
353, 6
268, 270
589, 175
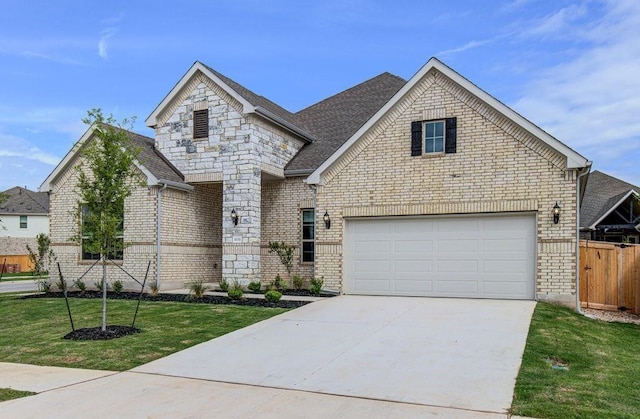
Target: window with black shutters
201, 124
434, 137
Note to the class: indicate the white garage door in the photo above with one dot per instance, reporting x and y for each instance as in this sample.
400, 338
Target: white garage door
487, 256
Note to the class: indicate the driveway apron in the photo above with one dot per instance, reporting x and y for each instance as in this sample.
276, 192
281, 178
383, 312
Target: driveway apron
441, 352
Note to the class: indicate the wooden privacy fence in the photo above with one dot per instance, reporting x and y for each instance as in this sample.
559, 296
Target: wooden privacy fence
23, 261
610, 276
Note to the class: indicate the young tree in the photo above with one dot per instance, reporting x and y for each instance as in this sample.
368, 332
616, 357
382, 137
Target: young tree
3, 197
106, 176
43, 256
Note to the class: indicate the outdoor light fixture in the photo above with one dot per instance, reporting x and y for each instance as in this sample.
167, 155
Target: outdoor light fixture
326, 219
556, 213
234, 217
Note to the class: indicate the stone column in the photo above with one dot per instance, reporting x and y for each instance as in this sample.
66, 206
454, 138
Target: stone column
241, 192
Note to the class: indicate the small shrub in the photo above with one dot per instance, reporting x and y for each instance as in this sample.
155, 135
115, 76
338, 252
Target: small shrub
235, 293
44, 286
79, 283
272, 296
98, 285
278, 283
297, 281
117, 286
315, 285
197, 288
224, 285
254, 286
153, 289
61, 284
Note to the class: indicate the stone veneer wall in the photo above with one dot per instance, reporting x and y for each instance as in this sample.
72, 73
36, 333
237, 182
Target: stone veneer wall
139, 224
282, 205
16, 245
498, 167
239, 148
191, 235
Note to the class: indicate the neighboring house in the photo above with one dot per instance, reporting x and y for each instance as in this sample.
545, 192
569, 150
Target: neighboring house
23, 215
610, 210
425, 187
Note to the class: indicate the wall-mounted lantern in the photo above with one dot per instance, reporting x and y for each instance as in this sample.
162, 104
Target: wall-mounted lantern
556, 213
327, 220
234, 217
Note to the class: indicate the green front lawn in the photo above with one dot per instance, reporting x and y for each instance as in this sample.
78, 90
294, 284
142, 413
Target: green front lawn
31, 330
21, 276
603, 361
8, 394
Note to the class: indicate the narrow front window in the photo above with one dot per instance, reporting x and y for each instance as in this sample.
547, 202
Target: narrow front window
308, 235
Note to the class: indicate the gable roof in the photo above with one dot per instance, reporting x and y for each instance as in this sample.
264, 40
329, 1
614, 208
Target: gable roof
602, 195
335, 119
151, 162
573, 159
22, 201
251, 102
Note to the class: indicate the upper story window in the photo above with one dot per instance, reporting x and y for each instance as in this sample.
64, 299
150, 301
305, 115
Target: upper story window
308, 235
23, 221
201, 124
433, 137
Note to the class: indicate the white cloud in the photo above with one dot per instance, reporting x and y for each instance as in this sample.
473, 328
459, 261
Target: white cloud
592, 101
557, 22
102, 44
12, 146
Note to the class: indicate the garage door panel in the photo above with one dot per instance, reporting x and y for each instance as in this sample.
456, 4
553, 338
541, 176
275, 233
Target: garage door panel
483, 256
410, 287
418, 267
458, 245
459, 266
453, 287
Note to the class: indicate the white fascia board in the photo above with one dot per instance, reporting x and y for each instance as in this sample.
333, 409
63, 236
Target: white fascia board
46, 185
613, 208
574, 160
151, 120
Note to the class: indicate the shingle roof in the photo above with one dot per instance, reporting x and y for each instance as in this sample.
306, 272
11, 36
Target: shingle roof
153, 160
334, 120
602, 192
24, 201
258, 100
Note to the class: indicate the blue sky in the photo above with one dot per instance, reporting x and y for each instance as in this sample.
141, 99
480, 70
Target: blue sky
571, 67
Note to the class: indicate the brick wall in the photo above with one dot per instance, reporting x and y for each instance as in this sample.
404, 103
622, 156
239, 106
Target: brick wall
282, 204
497, 168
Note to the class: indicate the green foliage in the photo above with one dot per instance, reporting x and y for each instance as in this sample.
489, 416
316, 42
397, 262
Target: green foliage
254, 286
153, 289
3, 197
272, 296
98, 285
197, 288
284, 252
278, 283
61, 284
106, 176
117, 286
315, 285
79, 283
43, 256
235, 292
10, 394
297, 281
224, 285
44, 285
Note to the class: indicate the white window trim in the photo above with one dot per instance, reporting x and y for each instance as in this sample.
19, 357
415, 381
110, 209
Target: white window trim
424, 137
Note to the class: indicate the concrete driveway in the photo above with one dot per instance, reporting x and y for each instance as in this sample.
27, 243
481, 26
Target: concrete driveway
346, 356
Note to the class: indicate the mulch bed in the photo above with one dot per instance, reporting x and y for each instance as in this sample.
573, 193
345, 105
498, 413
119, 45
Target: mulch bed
96, 333
207, 299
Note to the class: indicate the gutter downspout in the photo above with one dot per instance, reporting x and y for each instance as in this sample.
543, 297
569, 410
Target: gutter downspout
158, 231
585, 172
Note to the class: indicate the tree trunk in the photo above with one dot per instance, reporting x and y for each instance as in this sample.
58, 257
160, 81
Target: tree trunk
104, 294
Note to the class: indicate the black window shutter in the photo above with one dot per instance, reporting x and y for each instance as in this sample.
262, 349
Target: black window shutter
450, 135
416, 138
201, 123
